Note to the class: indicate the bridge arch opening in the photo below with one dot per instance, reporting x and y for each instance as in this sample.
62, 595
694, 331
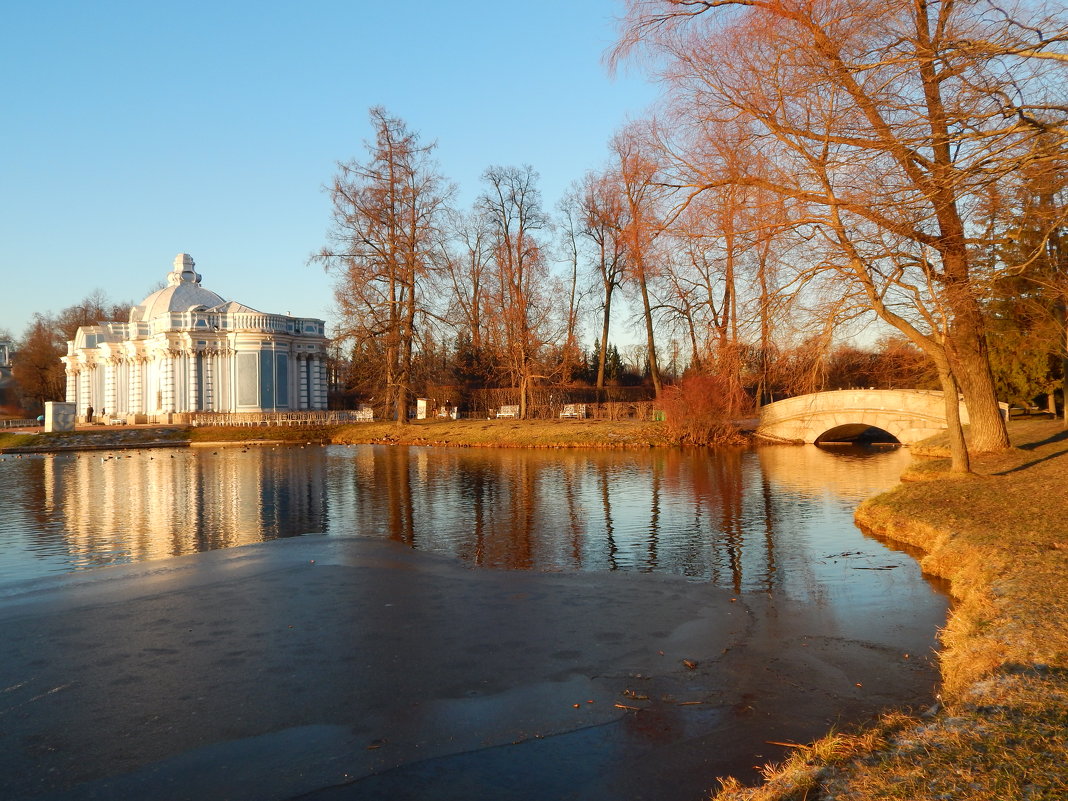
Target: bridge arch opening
857, 434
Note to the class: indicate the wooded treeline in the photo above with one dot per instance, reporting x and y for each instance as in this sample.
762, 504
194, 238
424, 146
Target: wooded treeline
37, 373
494, 305
812, 163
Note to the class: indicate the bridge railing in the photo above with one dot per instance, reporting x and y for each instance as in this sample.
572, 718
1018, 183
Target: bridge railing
921, 402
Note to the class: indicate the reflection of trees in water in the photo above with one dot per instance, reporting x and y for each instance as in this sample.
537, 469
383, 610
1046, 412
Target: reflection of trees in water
732, 517
393, 474
770, 578
575, 527
655, 478
700, 513
478, 487
712, 482
713, 515
606, 504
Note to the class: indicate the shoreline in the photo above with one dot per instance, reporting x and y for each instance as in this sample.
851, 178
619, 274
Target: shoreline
548, 434
1000, 727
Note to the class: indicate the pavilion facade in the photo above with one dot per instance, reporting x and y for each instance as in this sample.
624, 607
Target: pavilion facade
186, 349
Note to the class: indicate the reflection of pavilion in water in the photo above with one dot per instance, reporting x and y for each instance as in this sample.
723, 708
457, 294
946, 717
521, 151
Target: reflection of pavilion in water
154, 504
714, 516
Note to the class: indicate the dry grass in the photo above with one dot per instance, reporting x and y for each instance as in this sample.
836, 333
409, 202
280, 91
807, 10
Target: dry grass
203, 434
511, 433
459, 433
89, 438
1001, 538
11, 440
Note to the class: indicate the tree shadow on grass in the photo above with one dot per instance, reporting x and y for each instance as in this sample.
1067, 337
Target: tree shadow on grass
1060, 436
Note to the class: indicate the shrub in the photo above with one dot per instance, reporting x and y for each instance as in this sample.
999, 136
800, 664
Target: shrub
703, 409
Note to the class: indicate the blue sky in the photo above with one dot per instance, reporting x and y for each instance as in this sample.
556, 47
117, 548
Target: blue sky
134, 131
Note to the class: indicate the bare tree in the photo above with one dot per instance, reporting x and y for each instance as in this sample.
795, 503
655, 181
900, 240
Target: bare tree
637, 174
571, 230
467, 259
387, 219
512, 205
599, 206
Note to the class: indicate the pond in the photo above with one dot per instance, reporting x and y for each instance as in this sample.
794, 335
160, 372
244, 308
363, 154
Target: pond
776, 519
727, 595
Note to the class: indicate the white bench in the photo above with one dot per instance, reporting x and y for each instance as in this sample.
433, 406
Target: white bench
508, 411
574, 410
364, 415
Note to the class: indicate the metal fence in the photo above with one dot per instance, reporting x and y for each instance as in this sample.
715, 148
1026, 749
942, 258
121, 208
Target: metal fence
23, 423
307, 418
612, 410
621, 410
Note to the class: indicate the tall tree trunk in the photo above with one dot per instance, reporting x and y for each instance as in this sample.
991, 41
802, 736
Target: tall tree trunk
958, 448
603, 355
404, 378
970, 364
650, 340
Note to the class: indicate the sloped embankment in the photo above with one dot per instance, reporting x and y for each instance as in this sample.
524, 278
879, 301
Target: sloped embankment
1001, 538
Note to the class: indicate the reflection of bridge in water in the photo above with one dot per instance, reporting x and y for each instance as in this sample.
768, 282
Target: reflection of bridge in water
909, 415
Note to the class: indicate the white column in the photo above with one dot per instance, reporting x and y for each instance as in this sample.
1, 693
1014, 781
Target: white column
72, 386
222, 378
209, 389
324, 383
320, 383
137, 367
85, 388
191, 355
109, 386
167, 381
302, 381
313, 382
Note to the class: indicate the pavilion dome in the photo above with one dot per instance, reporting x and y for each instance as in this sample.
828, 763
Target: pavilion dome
182, 293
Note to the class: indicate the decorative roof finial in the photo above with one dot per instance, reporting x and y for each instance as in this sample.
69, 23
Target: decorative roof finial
183, 272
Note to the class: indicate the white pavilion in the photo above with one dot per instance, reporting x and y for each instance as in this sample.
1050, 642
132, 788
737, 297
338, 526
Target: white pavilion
185, 349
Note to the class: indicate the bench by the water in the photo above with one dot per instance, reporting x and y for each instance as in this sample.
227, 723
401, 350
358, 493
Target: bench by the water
508, 411
574, 410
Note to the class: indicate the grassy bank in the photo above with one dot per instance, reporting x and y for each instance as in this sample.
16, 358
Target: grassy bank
1001, 538
512, 433
93, 438
460, 433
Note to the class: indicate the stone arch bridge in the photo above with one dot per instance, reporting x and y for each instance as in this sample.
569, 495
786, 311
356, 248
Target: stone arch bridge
908, 414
